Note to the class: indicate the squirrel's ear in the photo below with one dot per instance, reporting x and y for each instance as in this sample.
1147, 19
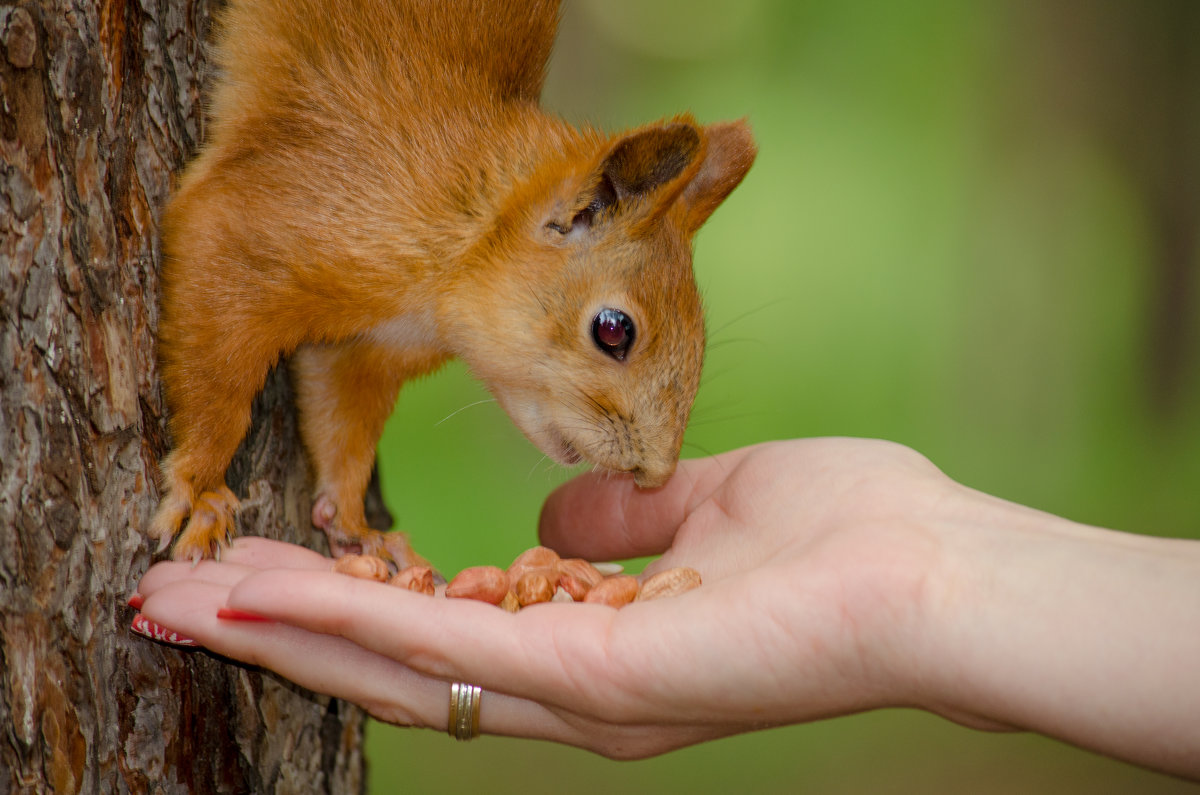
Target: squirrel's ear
651, 158
645, 171
728, 156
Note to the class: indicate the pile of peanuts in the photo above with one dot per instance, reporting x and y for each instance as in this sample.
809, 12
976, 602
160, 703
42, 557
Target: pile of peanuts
537, 575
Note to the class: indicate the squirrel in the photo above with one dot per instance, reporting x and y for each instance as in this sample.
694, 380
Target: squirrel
380, 191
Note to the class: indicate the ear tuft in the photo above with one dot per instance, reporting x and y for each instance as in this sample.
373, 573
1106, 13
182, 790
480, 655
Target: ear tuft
729, 153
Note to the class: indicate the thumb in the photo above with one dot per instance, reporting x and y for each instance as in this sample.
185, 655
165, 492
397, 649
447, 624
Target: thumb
601, 517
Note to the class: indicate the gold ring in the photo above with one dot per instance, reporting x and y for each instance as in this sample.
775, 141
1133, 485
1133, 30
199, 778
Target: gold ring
464, 711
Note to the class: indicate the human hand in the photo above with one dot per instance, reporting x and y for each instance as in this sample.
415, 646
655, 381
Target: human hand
813, 555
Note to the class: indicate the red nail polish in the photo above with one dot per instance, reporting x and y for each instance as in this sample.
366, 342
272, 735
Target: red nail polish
136, 601
147, 628
232, 614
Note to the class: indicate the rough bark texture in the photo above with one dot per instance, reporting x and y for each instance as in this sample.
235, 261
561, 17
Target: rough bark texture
100, 104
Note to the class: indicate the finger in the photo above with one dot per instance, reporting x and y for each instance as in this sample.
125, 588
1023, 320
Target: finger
242, 557
265, 553
324, 663
333, 665
599, 517
170, 571
567, 656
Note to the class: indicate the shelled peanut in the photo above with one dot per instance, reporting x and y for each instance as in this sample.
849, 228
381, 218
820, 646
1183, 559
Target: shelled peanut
484, 583
365, 567
415, 578
537, 575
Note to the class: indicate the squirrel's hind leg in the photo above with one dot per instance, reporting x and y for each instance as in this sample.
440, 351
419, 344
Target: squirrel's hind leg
345, 393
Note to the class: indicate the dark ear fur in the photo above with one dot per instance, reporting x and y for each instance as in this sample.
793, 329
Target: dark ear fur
728, 156
646, 160
653, 167
651, 163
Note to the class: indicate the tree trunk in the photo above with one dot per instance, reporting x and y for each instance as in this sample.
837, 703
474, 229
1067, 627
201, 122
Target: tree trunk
100, 104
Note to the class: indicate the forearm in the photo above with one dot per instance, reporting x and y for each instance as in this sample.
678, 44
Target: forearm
1087, 635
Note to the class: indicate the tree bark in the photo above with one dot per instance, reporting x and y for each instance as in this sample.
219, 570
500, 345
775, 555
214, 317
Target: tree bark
101, 103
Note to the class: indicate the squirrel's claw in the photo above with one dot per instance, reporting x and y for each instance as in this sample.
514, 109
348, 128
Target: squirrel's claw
172, 511
210, 527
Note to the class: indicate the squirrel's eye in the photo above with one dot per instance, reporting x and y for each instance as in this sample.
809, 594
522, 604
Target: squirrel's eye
613, 332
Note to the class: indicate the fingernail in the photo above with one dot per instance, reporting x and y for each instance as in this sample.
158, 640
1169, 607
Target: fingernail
147, 628
233, 614
136, 600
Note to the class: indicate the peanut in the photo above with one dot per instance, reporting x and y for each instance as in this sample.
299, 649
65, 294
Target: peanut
616, 591
669, 582
577, 577
510, 603
572, 587
533, 587
366, 567
549, 572
415, 578
483, 583
534, 558
584, 572
536, 575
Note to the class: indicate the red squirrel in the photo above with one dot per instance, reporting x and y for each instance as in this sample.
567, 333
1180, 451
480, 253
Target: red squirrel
380, 191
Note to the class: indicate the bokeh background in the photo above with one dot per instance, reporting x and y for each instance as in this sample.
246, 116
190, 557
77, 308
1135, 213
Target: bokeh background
973, 228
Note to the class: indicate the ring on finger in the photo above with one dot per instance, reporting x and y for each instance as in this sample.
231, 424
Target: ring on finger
464, 711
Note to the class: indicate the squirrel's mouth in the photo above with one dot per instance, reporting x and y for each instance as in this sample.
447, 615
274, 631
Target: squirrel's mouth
564, 453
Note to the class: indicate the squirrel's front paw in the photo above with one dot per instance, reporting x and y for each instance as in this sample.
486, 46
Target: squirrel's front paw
210, 524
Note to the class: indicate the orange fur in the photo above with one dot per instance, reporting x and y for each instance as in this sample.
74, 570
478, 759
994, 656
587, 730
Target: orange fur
381, 192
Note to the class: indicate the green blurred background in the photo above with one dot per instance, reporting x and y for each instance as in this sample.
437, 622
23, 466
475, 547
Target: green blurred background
971, 228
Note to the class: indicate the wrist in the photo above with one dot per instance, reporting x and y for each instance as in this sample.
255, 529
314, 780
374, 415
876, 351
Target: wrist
914, 568
1035, 622
958, 637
